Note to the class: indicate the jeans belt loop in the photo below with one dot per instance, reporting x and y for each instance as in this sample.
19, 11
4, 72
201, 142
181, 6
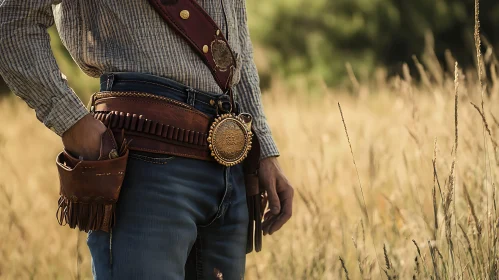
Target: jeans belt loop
110, 81
191, 96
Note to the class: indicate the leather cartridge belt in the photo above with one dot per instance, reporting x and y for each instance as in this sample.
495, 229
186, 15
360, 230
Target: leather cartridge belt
155, 123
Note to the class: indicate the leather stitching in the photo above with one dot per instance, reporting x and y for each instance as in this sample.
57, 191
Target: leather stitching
161, 161
193, 110
176, 153
179, 29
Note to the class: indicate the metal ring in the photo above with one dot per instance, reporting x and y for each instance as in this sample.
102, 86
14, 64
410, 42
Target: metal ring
224, 104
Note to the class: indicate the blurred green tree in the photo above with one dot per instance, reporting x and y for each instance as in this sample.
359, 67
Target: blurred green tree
317, 38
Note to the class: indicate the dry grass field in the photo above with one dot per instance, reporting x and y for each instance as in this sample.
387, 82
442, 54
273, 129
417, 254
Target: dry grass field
412, 223
414, 197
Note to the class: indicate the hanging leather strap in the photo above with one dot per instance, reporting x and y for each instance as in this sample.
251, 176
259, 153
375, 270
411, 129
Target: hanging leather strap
197, 27
204, 36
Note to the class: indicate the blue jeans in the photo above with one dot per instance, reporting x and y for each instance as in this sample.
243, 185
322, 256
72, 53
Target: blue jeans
177, 218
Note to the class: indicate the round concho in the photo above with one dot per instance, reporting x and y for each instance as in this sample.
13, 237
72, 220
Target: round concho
229, 140
221, 54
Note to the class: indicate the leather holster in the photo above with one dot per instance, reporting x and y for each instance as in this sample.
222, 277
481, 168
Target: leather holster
256, 198
90, 189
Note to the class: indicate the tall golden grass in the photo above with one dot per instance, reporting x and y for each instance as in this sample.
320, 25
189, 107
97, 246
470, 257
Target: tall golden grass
411, 193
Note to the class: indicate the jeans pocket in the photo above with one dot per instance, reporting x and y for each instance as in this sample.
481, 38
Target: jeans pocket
151, 157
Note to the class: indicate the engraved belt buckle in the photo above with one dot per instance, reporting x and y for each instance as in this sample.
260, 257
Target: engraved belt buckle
230, 136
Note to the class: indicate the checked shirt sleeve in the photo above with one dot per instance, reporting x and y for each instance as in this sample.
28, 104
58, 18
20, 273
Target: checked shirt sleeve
248, 90
28, 66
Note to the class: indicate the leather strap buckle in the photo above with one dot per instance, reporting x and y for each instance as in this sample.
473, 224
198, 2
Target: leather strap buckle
225, 104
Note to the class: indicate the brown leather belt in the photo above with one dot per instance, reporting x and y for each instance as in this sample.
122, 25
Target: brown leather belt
155, 123
158, 124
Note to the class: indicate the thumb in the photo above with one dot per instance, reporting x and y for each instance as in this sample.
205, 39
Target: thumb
274, 202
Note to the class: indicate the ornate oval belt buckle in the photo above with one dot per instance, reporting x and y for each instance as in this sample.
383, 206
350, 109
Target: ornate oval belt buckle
230, 138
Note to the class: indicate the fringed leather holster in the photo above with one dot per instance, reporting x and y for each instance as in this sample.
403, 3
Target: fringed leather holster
90, 189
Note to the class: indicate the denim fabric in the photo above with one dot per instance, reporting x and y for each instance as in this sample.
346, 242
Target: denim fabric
177, 218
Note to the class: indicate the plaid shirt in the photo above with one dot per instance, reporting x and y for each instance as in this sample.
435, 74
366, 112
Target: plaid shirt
116, 35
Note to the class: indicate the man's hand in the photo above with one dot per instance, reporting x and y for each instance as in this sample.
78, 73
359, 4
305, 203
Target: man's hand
84, 138
280, 195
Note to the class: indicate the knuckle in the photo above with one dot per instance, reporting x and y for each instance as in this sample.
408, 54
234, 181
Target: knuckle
287, 186
272, 191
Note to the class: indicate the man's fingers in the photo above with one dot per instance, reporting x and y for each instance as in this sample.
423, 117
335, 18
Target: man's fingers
278, 222
266, 225
269, 219
268, 215
286, 213
280, 195
274, 202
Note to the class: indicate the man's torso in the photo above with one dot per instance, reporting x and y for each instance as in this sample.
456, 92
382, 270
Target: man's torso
129, 36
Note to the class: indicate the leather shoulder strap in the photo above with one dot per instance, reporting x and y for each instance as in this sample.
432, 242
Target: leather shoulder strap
197, 27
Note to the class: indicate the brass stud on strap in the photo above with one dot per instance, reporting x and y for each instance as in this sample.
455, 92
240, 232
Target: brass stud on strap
184, 14
218, 32
205, 49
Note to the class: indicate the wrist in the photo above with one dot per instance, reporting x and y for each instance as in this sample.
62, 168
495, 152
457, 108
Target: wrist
269, 162
84, 138
75, 127
65, 113
268, 147
269, 159
81, 127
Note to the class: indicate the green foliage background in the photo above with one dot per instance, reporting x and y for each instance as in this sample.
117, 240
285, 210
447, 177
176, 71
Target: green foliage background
317, 38
314, 39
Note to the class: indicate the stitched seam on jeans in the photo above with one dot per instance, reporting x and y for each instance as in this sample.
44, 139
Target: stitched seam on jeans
199, 259
221, 206
179, 154
230, 187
